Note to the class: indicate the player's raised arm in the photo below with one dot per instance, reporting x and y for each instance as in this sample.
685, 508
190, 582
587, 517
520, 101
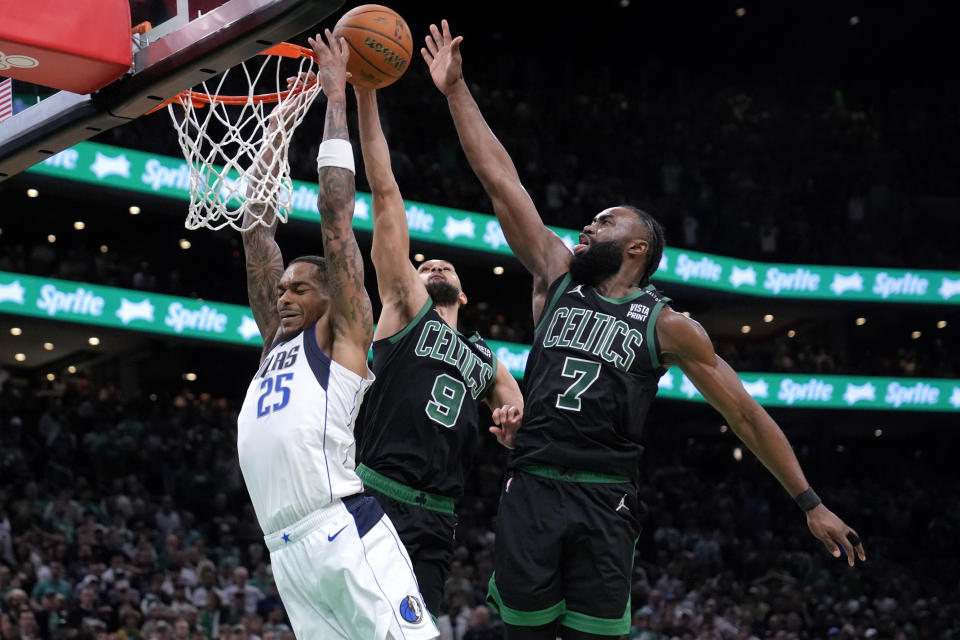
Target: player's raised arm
685, 343
402, 293
351, 313
264, 269
538, 248
261, 252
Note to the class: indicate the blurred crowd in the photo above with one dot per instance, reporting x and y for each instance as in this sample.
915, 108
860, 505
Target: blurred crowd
125, 518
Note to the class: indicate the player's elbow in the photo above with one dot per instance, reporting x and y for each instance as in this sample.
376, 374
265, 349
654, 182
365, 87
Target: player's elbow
383, 187
746, 420
496, 177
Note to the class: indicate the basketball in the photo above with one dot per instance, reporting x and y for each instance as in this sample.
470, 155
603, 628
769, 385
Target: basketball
380, 45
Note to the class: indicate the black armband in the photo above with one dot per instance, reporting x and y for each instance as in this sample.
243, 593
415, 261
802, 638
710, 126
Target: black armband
807, 500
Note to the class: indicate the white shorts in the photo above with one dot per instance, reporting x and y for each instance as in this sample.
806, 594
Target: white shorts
342, 572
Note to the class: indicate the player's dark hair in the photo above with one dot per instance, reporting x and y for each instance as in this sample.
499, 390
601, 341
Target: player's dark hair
319, 262
655, 240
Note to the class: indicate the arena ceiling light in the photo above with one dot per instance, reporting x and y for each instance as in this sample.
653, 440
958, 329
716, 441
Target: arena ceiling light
915, 335
19, 357
941, 324
71, 369
184, 244
741, 11
877, 433
498, 271
190, 377
32, 193
51, 377
418, 257
861, 321
768, 318
745, 328
15, 331
134, 210
104, 248
79, 225
51, 238
93, 341
791, 333
854, 21
48, 346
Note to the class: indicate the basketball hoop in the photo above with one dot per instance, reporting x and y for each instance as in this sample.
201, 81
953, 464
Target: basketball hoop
235, 149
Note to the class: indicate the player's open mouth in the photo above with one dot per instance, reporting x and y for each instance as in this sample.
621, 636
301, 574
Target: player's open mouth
584, 244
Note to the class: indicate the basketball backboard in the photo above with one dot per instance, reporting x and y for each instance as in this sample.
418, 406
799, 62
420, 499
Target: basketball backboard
190, 41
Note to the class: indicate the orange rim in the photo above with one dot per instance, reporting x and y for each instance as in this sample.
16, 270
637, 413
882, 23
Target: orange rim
284, 49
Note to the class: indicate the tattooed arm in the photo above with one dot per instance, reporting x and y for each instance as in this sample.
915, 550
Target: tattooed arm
350, 310
264, 268
263, 258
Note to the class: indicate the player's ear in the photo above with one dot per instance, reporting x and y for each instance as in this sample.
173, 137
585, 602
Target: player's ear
638, 247
462, 298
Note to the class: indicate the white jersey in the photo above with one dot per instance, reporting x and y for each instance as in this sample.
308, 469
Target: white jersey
295, 432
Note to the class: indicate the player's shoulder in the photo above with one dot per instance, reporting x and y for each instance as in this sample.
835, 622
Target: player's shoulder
480, 344
678, 333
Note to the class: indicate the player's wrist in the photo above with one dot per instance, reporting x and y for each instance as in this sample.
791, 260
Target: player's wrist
807, 500
336, 152
457, 87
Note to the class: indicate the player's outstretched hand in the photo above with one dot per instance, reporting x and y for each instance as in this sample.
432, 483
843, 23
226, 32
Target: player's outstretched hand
839, 539
442, 55
285, 113
332, 57
507, 420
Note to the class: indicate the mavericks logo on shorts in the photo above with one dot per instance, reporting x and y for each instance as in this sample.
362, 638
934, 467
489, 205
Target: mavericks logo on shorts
411, 610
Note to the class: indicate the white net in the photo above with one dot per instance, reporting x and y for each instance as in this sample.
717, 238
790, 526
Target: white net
237, 146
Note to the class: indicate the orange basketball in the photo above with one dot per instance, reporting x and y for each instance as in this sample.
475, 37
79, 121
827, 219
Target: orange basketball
380, 45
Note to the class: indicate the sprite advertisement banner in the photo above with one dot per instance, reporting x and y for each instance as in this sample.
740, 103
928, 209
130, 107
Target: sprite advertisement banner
218, 321
831, 392
126, 309
162, 175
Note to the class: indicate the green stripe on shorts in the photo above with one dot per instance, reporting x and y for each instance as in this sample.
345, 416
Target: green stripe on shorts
403, 493
524, 618
599, 626
569, 475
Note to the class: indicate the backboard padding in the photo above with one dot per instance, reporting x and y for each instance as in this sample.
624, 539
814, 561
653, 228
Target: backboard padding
203, 47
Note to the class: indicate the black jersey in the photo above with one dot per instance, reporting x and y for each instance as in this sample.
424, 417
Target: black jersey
591, 375
419, 424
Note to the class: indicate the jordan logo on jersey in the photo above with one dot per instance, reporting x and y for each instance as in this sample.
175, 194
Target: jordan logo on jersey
623, 504
578, 290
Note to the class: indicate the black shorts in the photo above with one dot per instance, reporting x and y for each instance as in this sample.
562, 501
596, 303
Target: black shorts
428, 538
564, 550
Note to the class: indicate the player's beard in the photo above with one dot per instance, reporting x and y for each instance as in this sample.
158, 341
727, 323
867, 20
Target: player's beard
443, 293
601, 260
